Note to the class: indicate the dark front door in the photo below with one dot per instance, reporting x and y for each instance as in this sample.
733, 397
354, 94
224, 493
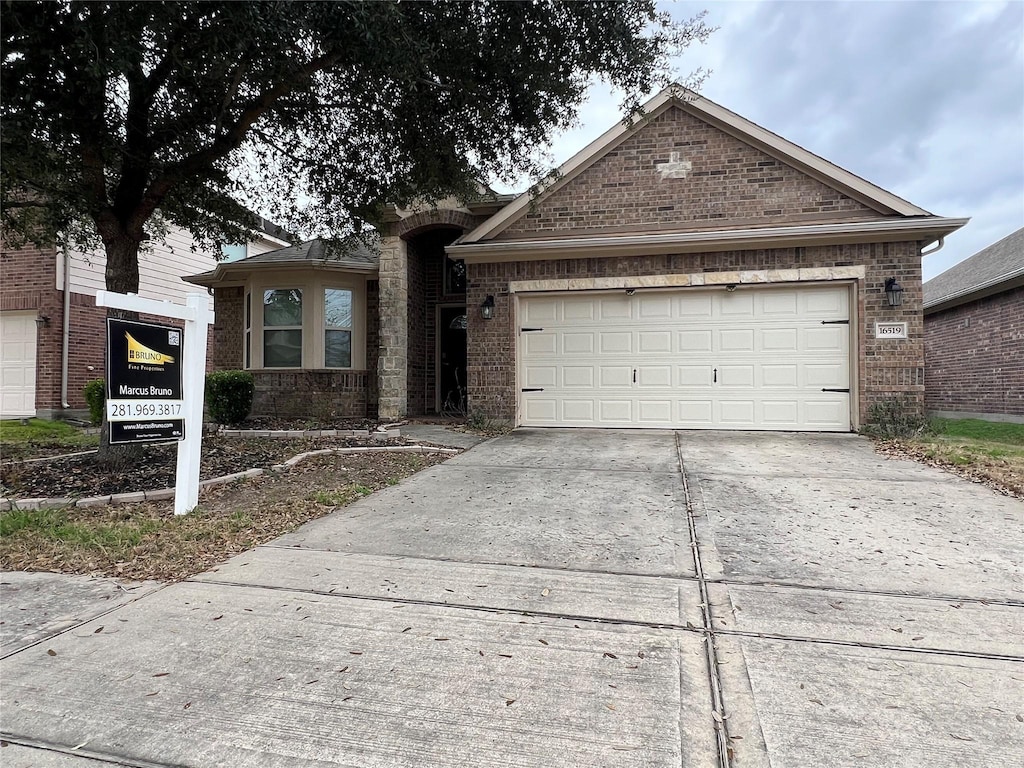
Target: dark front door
451, 367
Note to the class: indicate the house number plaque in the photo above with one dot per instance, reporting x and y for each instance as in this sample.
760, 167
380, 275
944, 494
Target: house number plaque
890, 330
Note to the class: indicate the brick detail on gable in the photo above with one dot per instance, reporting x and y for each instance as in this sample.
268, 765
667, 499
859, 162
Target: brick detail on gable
975, 356
729, 184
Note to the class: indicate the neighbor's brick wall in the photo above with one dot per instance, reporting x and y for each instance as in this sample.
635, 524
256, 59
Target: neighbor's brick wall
974, 356
889, 367
730, 185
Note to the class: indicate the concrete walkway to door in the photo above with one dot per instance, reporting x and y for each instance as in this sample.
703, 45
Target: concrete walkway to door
573, 598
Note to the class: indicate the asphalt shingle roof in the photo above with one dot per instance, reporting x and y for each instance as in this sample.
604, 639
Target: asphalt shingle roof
352, 252
1000, 262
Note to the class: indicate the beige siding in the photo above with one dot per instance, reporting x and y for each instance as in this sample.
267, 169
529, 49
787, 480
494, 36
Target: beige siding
161, 267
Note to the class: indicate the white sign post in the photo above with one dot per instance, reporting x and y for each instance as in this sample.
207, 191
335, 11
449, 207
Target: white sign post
197, 317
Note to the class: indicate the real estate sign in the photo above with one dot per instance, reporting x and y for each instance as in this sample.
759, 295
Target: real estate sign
144, 394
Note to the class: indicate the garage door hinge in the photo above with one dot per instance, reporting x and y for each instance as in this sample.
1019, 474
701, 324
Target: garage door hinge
527, 330
830, 389
533, 389
835, 322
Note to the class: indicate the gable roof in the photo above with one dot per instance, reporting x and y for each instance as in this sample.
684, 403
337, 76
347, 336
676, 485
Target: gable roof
994, 269
351, 256
727, 121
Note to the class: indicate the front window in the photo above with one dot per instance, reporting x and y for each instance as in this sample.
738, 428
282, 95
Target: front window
337, 328
233, 252
282, 328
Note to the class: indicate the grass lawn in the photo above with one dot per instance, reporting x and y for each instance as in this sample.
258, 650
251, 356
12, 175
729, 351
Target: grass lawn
38, 437
147, 541
992, 452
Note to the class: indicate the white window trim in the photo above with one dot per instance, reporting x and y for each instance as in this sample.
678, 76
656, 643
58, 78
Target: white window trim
313, 317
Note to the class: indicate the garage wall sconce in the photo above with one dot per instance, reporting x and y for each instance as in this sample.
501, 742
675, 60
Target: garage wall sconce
893, 292
487, 308
43, 321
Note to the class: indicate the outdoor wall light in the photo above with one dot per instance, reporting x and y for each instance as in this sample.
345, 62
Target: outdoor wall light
487, 308
43, 321
893, 292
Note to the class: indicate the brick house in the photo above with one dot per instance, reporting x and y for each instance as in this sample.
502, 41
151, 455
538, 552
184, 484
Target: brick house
52, 332
974, 335
691, 270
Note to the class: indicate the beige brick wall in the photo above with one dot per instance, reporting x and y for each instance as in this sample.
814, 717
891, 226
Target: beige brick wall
730, 185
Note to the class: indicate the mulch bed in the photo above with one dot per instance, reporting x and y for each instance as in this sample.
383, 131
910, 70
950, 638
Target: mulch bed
154, 468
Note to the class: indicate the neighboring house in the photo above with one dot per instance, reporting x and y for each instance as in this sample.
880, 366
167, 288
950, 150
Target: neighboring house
52, 334
692, 270
974, 335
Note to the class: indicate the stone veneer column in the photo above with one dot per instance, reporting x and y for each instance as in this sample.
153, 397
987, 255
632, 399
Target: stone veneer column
392, 365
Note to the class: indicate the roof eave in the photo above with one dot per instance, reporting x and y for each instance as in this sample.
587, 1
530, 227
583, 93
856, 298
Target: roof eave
235, 273
1000, 285
889, 230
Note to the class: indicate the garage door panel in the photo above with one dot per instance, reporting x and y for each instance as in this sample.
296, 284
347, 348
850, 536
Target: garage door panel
578, 343
780, 413
736, 412
693, 341
18, 364
779, 339
736, 305
578, 377
736, 376
580, 411
654, 376
779, 304
616, 411
615, 376
757, 358
780, 375
654, 342
536, 344
616, 309
616, 342
695, 375
654, 307
736, 340
694, 306
541, 310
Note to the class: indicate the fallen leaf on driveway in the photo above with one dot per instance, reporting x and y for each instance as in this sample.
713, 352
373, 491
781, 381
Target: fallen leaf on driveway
961, 738
50, 652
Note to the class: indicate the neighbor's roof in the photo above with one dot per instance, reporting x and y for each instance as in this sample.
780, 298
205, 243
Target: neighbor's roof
991, 270
351, 256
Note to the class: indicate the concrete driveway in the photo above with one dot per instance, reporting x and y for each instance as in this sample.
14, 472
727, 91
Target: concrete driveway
573, 598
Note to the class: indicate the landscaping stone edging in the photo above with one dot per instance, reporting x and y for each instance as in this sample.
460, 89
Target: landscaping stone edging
168, 493
382, 434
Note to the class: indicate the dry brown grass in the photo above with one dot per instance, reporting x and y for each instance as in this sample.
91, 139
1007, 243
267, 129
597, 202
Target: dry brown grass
997, 465
146, 541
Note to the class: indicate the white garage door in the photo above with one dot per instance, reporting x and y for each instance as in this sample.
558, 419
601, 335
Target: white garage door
17, 364
753, 358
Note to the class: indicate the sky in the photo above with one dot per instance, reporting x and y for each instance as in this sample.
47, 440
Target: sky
924, 99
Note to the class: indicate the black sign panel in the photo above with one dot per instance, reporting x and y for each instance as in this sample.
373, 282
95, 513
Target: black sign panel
144, 381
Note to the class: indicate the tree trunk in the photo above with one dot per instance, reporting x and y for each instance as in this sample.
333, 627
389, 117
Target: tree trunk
122, 276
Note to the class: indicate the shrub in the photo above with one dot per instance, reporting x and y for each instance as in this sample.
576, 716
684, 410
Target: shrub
895, 417
229, 396
95, 397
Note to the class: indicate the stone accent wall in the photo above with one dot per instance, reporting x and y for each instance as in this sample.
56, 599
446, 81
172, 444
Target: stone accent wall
372, 345
418, 323
729, 184
887, 367
394, 328
974, 356
318, 395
